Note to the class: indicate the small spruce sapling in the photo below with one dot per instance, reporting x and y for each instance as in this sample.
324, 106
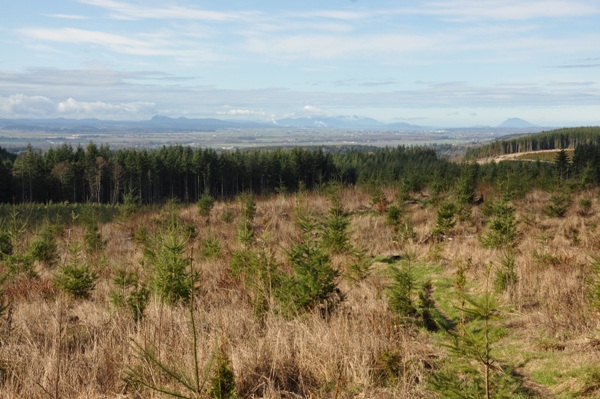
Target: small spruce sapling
171, 279
445, 218
502, 226
314, 280
335, 228
44, 248
401, 291
473, 343
205, 204
76, 278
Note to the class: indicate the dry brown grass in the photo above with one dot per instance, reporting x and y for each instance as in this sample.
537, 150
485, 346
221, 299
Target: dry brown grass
57, 347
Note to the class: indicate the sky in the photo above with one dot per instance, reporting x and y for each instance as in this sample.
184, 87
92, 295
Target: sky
432, 63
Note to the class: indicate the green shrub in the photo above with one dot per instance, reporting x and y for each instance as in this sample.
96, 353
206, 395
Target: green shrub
205, 204
76, 280
360, 268
6, 247
426, 306
171, 278
393, 215
389, 368
400, 292
502, 227
314, 280
92, 238
211, 247
559, 205
335, 229
128, 291
246, 229
585, 206
445, 218
227, 215
222, 384
20, 265
506, 275
44, 250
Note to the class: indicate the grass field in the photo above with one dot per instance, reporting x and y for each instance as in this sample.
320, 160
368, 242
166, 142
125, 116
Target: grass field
243, 318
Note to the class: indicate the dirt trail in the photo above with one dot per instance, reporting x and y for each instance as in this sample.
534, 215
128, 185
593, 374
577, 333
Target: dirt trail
507, 157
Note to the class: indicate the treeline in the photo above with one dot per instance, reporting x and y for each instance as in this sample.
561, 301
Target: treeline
550, 140
99, 175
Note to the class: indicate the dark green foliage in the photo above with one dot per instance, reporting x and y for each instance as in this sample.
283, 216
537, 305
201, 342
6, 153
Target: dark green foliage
130, 205
473, 344
92, 238
559, 204
205, 204
502, 226
427, 306
44, 251
335, 228
222, 383
506, 275
137, 300
553, 139
76, 278
464, 188
390, 368
314, 280
128, 291
246, 229
211, 247
445, 218
360, 268
585, 206
401, 224
258, 271
20, 265
44, 248
248, 206
401, 291
171, 280
393, 216
227, 215
135, 177
6, 247
403, 191
561, 162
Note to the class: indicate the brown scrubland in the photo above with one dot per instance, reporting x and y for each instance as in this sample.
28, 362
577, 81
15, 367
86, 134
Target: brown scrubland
56, 345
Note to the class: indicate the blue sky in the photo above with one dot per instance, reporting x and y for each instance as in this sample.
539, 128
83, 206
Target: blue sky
435, 63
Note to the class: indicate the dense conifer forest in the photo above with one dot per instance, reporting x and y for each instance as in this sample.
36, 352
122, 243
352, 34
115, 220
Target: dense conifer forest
550, 140
97, 174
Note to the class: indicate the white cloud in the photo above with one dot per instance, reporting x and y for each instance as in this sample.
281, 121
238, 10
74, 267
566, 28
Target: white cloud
73, 107
124, 10
19, 105
67, 16
329, 46
148, 44
23, 106
508, 9
242, 112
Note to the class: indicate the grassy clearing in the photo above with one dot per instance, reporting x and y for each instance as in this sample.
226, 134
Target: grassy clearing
544, 156
351, 344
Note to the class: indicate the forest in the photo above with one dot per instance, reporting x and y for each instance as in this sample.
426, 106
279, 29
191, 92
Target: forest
287, 273
99, 175
549, 140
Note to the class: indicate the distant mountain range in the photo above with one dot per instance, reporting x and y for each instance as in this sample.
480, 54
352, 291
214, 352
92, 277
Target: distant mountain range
516, 123
161, 124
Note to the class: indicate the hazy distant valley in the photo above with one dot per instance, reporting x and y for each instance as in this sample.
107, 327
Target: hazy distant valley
224, 134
